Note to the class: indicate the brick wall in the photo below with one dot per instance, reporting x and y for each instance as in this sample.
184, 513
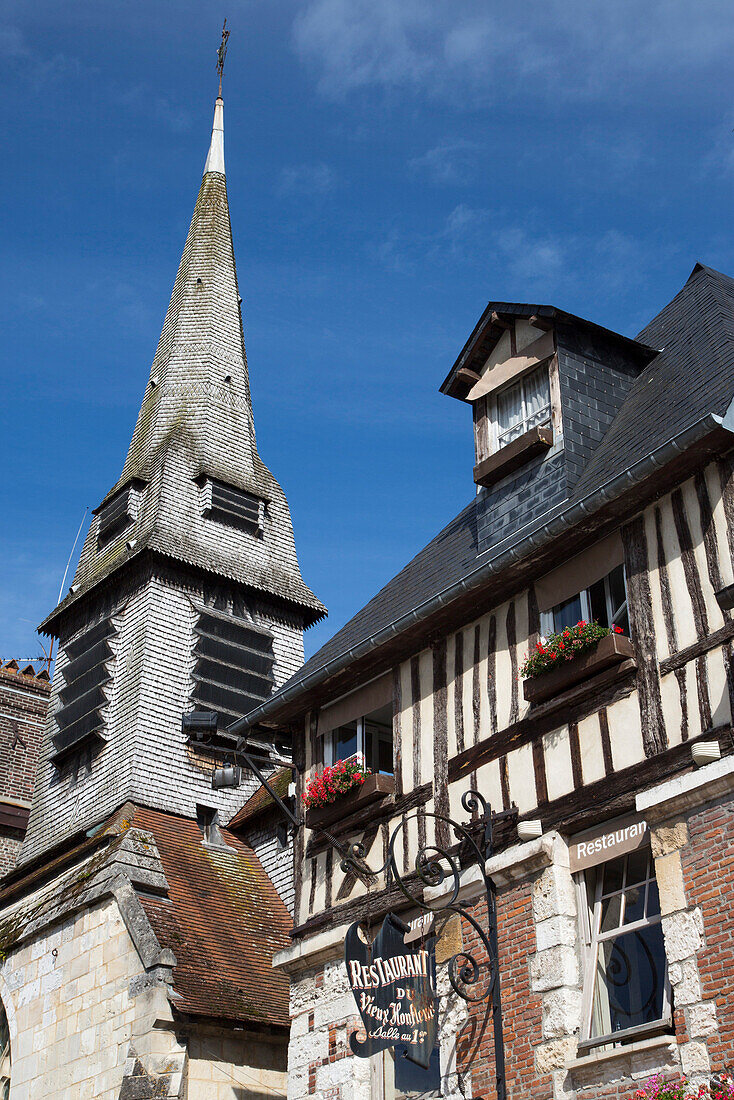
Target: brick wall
24, 699
708, 873
522, 1009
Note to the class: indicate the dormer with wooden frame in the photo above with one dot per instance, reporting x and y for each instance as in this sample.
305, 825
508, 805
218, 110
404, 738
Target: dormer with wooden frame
540, 381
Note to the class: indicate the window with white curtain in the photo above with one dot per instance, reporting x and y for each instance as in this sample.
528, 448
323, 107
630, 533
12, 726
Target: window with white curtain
626, 991
524, 405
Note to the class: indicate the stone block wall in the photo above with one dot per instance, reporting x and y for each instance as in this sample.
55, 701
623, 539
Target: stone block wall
78, 1024
232, 1066
323, 1015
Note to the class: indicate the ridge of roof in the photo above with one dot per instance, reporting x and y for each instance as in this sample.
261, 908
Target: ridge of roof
527, 310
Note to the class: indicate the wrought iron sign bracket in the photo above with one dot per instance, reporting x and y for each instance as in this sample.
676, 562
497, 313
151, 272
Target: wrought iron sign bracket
437, 864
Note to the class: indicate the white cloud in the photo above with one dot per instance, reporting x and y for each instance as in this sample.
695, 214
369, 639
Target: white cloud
448, 164
306, 179
40, 72
484, 49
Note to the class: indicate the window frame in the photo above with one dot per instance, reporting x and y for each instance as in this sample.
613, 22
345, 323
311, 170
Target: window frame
592, 938
547, 621
361, 750
522, 382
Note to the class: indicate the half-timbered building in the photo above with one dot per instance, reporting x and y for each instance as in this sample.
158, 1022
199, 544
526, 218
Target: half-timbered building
604, 493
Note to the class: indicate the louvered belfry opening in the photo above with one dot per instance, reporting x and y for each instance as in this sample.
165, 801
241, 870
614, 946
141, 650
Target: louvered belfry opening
235, 506
115, 515
234, 665
79, 720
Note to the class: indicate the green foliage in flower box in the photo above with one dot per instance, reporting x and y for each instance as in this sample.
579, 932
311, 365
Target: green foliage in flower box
565, 645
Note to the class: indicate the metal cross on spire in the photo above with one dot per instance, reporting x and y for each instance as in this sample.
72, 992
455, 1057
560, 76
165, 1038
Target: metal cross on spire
221, 55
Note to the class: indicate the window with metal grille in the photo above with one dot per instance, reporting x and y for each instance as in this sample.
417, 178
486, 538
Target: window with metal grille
234, 665
226, 504
115, 515
79, 719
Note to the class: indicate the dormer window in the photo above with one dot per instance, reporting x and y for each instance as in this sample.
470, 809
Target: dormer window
522, 406
236, 507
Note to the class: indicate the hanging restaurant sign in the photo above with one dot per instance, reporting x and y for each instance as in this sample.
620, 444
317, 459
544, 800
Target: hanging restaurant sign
392, 985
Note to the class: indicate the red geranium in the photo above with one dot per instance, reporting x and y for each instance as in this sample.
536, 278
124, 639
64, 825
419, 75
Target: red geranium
334, 781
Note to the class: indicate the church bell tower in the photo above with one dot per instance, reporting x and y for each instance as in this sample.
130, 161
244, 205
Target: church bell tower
188, 593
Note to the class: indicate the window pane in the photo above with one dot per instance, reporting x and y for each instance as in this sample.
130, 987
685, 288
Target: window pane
611, 913
598, 603
616, 587
509, 413
637, 866
567, 613
378, 748
345, 741
653, 899
634, 906
537, 397
630, 981
613, 871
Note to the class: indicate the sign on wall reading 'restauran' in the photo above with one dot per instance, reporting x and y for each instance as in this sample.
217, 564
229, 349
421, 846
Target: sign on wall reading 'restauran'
614, 838
392, 985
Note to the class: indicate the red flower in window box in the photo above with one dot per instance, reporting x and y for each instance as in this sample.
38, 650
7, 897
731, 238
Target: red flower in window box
565, 645
334, 781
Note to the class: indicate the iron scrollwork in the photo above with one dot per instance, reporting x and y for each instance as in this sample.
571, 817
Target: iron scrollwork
473, 973
435, 863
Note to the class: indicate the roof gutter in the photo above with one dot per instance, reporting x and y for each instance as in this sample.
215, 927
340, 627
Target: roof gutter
540, 537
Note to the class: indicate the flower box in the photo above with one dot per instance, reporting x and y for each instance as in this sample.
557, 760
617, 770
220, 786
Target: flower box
611, 650
374, 788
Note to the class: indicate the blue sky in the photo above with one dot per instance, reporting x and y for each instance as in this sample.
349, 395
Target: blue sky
392, 165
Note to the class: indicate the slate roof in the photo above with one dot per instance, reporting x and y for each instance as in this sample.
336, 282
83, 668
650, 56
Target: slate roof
223, 920
196, 421
260, 802
692, 376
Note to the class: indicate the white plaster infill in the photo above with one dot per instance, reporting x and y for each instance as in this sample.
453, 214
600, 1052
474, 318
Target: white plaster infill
313, 951
685, 792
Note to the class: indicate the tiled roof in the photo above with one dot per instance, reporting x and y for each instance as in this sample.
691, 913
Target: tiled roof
260, 802
692, 376
223, 921
27, 675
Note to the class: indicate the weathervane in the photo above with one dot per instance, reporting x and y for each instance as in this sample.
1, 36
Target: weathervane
221, 54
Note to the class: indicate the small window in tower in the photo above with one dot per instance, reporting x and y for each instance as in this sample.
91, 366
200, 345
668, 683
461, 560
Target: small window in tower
79, 719
233, 672
227, 504
117, 513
